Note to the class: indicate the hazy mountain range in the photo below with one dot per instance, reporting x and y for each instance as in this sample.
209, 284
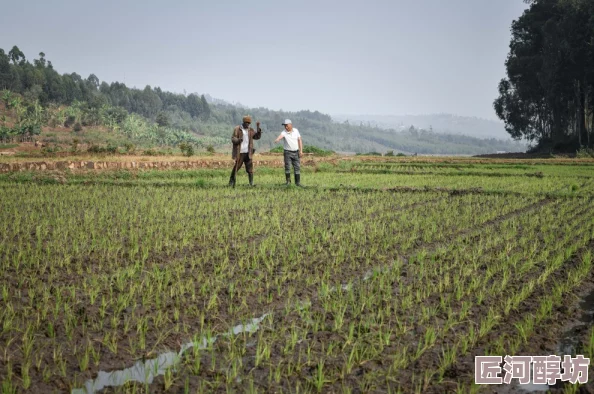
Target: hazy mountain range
431, 134
440, 123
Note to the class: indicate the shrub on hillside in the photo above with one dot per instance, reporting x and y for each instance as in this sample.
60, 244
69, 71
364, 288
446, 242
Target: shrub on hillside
69, 121
111, 149
187, 149
129, 147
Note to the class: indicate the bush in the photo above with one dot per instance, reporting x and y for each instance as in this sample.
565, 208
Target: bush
49, 150
150, 152
129, 147
95, 149
585, 153
5, 132
111, 149
187, 149
69, 121
53, 122
389, 153
210, 149
32, 129
317, 151
77, 127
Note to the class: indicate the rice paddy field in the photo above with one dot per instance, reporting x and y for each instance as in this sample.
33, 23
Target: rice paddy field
379, 276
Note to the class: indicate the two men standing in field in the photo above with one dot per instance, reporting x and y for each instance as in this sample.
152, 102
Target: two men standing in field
243, 149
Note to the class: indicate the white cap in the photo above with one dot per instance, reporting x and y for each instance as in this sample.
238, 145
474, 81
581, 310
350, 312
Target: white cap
287, 121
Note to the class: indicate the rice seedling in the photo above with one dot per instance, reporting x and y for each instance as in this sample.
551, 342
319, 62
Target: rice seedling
370, 281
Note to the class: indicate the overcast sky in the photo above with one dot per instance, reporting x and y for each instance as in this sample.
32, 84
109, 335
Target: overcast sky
339, 57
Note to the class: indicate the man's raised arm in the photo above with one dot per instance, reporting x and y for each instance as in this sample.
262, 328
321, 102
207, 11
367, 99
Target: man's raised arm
258, 133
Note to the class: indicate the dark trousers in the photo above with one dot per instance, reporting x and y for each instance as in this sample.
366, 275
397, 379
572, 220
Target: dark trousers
249, 163
292, 158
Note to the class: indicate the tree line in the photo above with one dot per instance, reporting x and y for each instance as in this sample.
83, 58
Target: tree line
548, 95
38, 81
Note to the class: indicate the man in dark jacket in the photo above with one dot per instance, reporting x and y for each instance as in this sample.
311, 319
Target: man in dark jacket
243, 148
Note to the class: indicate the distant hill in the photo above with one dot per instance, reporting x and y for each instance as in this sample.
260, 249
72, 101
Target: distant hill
320, 130
440, 123
218, 101
35, 96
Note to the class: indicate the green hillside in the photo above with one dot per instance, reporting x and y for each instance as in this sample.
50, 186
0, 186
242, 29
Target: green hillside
38, 100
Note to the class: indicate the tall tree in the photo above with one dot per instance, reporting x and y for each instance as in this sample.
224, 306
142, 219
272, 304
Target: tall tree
162, 119
194, 105
205, 108
547, 95
6, 75
17, 56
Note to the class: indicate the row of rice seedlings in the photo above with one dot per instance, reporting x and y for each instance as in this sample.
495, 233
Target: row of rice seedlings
526, 327
502, 265
117, 293
459, 279
510, 342
118, 283
568, 176
441, 171
493, 319
315, 321
485, 169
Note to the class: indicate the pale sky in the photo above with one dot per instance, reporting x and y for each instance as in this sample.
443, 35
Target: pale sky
339, 57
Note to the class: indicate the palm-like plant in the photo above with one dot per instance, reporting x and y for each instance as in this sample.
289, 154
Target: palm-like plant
6, 97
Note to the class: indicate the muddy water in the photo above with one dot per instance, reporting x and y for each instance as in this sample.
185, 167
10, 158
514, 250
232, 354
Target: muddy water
145, 372
568, 345
570, 340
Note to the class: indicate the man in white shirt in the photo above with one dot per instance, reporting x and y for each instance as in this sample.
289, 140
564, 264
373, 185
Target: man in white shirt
293, 151
243, 148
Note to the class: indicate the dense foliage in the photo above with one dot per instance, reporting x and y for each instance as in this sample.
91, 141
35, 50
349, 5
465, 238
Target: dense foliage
548, 95
39, 81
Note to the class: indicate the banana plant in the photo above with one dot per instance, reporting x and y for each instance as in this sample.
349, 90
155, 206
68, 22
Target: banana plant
6, 97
